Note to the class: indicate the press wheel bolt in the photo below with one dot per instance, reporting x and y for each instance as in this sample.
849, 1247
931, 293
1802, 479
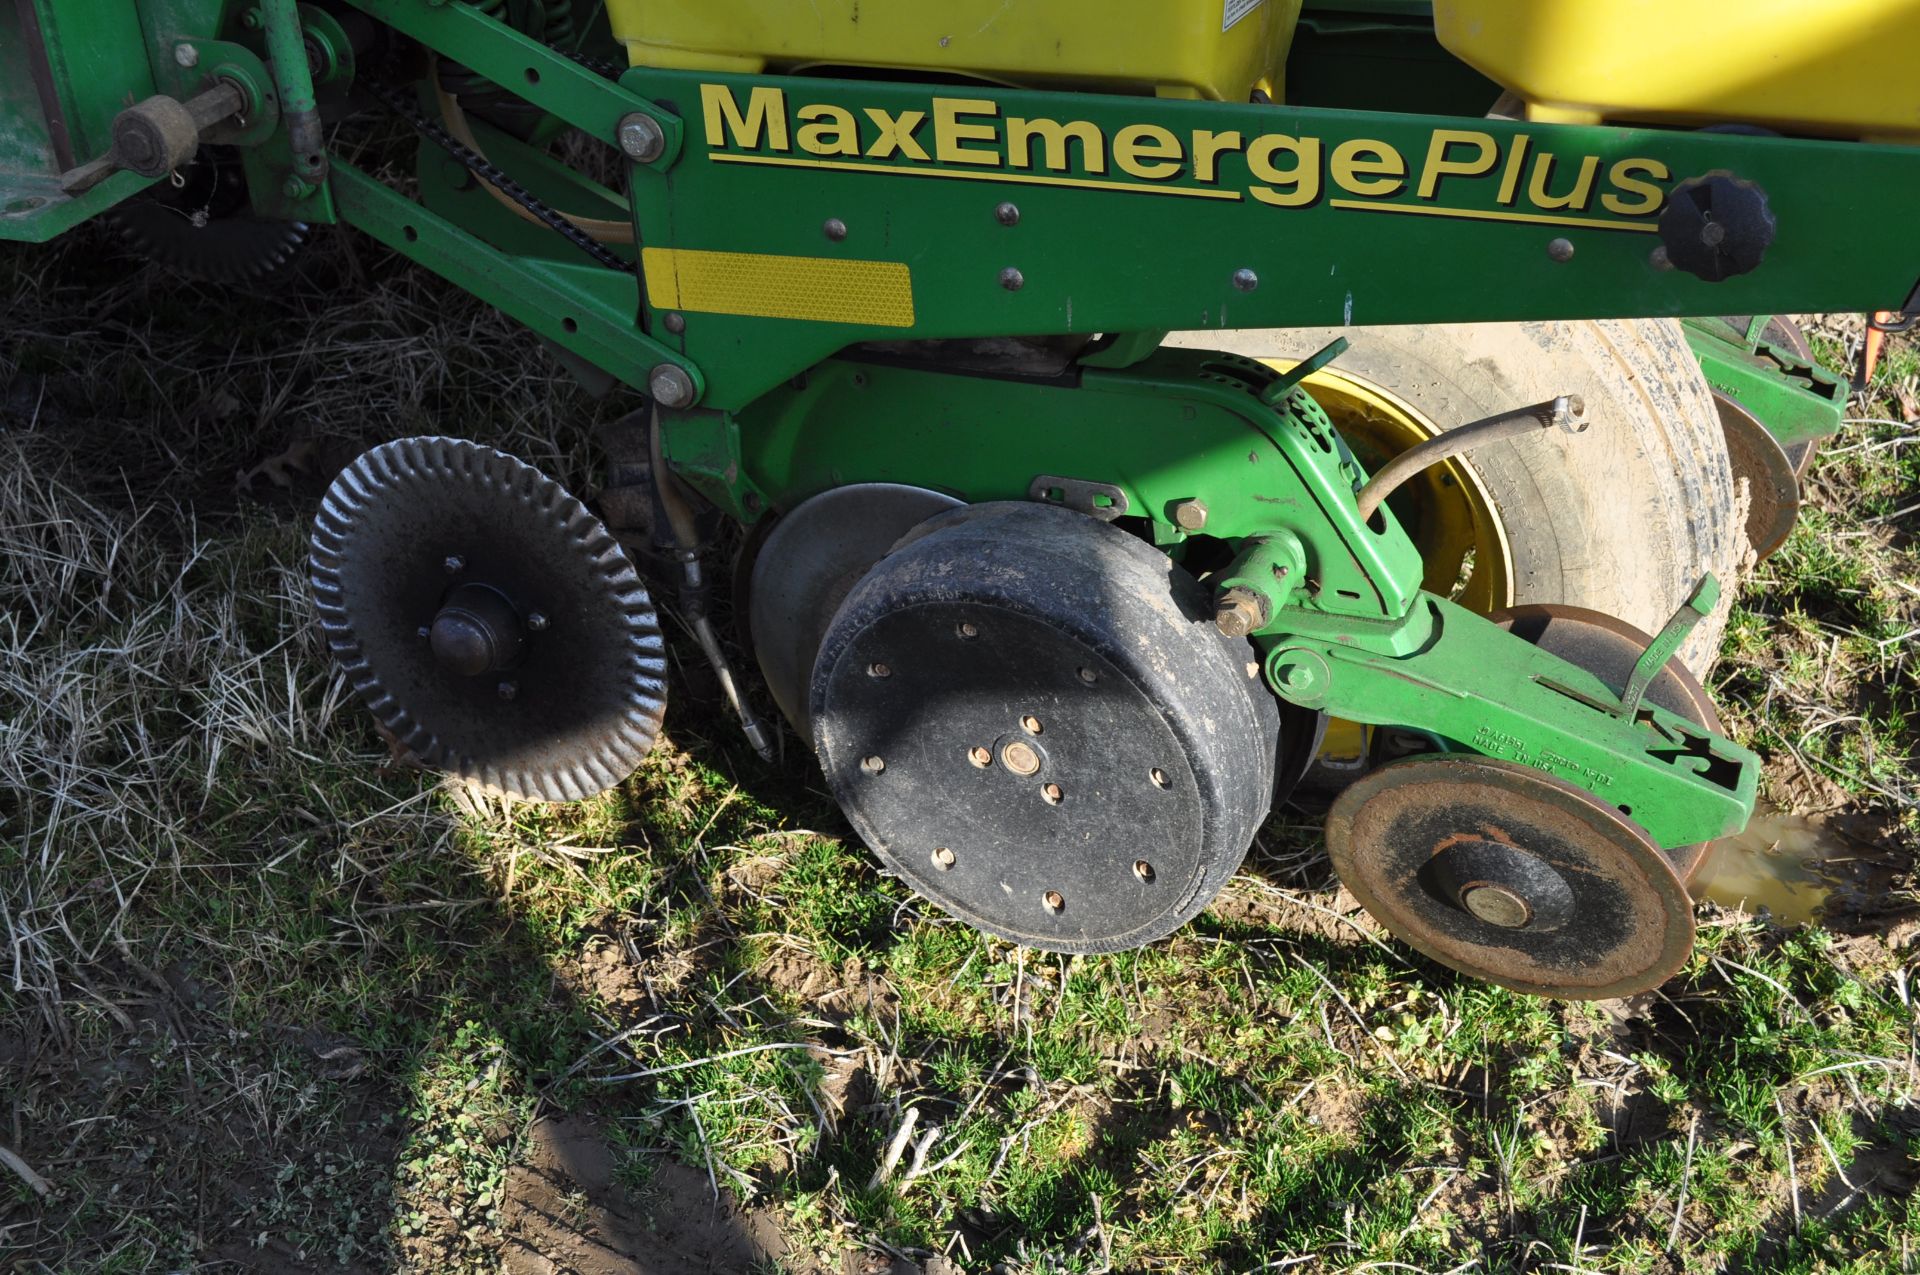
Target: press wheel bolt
1143, 870
943, 858
1019, 758
1051, 794
455, 564
980, 757
873, 765
537, 621
966, 631
1159, 777
1030, 724
1054, 900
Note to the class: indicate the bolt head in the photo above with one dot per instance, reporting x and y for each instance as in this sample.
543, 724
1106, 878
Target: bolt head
537, 621
1020, 758
1053, 900
670, 386
1245, 279
1007, 214
834, 229
455, 564
186, 55
1561, 250
675, 323
943, 858
980, 757
1237, 614
1012, 280
1297, 677
1659, 258
641, 138
1190, 515
1496, 905
508, 690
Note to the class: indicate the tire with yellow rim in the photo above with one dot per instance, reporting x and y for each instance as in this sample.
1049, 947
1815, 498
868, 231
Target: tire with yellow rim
1624, 518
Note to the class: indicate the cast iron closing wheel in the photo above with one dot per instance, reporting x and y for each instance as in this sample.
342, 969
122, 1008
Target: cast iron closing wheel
1031, 718
1512, 876
490, 622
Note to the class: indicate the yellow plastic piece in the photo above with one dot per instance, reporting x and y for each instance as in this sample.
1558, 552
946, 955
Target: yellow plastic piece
820, 289
1841, 68
1219, 49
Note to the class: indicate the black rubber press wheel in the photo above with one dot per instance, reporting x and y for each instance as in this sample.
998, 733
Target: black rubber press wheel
1031, 718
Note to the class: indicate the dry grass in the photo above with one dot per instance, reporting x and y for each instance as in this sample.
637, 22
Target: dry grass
267, 1004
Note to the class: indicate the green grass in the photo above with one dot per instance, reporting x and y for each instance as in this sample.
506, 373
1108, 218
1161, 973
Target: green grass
269, 1004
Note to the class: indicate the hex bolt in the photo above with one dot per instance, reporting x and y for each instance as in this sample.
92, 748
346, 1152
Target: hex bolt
641, 138
1030, 724
943, 858
980, 757
1054, 900
1012, 280
1561, 250
1245, 279
834, 229
1051, 794
670, 385
675, 323
1240, 612
1007, 214
186, 55
877, 669
1159, 778
1143, 870
509, 690
537, 621
874, 765
455, 564
1296, 677
1190, 514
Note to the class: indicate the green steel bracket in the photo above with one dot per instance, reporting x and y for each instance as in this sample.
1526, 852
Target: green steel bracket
1182, 428
586, 308
1798, 401
1486, 691
1284, 383
1663, 647
38, 211
545, 77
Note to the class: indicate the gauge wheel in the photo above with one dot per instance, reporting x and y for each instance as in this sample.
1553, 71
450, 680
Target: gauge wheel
1622, 519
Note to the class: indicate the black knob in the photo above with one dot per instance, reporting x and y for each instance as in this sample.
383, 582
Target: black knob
1717, 226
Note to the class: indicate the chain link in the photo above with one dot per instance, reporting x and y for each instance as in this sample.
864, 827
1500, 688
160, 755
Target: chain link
402, 105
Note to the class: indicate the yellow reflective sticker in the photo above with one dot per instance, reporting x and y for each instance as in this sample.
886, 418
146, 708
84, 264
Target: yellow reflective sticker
819, 289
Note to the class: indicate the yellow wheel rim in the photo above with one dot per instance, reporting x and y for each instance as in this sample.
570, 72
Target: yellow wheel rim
1447, 510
